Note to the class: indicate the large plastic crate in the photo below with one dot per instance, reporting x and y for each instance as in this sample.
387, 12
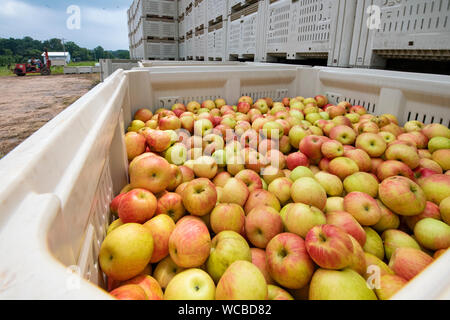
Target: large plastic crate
57, 185
217, 42
162, 50
157, 8
200, 14
157, 28
278, 20
414, 29
200, 45
217, 11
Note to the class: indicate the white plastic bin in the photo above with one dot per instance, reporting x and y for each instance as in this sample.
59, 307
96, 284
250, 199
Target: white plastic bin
57, 185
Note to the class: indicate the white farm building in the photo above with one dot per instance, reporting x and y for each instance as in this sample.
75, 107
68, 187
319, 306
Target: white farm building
57, 58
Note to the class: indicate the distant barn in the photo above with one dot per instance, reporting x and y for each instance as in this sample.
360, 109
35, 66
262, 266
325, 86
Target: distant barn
58, 58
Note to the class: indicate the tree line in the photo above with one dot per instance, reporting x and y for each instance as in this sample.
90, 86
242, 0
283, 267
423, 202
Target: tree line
20, 50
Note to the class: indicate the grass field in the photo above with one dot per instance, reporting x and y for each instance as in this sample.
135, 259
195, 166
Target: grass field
4, 71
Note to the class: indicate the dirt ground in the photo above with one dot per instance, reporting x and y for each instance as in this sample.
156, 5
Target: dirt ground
27, 103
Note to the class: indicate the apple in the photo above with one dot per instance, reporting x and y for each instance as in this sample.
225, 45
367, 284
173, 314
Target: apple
436, 187
190, 242
159, 141
432, 234
444, 208
436, 130
187, 174
281, 188
177, 178
149, 284
409, 262
235, 164
221, 179
348, 223
311, 147
136, 125
403, 153
402, 196
368, 127
374, 243
361, 158
161, 227
358, 259
332, 149
300, 218
143, 115
389, 220
336, 111
220, 102
262, 106
372, 143
343, 134
129, 292
165, 271
270, 174
296, 159
251, 179
296, 135
171, 204
393, 168
226, 248
205, 167
363, 208
137, 206
114, 225
135, 145
187, 123
261, 197
334, 204
362, 182
431, 164
199, 197
193, 284
431, 211
373, 261
193, 106
177, 154
288, 261
330, 247
309, 191
442, 157
260, 261
262, 224
343, 167
278, 294
339, 285
227, 217
331, 183
301, 172
151, 173
242, 281
387, 137
411, 126
126, 251
389, 286
394, 239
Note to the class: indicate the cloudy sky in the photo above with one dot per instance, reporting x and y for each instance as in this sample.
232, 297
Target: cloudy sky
103, 22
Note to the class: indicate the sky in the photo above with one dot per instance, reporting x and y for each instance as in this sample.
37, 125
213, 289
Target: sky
102, 22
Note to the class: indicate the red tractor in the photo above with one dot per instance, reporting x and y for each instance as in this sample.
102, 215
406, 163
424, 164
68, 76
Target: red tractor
26, 68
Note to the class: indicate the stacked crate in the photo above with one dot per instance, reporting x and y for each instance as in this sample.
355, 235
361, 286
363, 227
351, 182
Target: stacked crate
217, 31
153, 26
200, 30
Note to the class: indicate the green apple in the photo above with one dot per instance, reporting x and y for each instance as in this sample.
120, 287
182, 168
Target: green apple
192, 284
177, 154
445, 210
438, 143
362, 182
301, 172
432, 234
395, 239
136, 125
226, 248
374, 243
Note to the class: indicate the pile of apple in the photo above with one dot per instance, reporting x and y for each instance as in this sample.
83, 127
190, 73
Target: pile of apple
298, 199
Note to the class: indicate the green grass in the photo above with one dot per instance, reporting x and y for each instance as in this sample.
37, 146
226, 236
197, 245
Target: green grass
82, 64
5, 72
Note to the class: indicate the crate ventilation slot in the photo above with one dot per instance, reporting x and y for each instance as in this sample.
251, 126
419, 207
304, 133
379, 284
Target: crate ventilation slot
427, 118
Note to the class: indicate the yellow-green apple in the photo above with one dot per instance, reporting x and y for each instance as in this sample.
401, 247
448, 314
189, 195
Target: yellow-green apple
343, 167
171, 204
372, 143
152, 173
442, 157
358, 258
262, 224
150, 285
208, 104
288, 261
343, 134
353, 117
135, 145
235, 191
205, 167
368, 127
374, 243
436, 187
362, 182
221, 158
296, 135
226, 248
389, 286
212, 143
395, 239
136, 125
432, 234
192, 284
334, 204
259, 260
332, 184
126, 251
281, 188
261, 197
300, 218
242, 281
285, 145
187, 123
431, 211
273, 130
393, 168
387, 137
270, 173
137, 206
444, 208
361, 158
177, 154
193, 106
161, 227
114, 225
235, 164
348, 223
339, 285
228, 217
393, 128
262, 106
409, 262
203, 127
309, 191
330, 247
414, 125
199, 197
251, 179
278, 294
301, 172
363, 208
403, 153
403, 196
436, 130
165, 271
190, 242
374, 262
129, 292
220, 102
332, 149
